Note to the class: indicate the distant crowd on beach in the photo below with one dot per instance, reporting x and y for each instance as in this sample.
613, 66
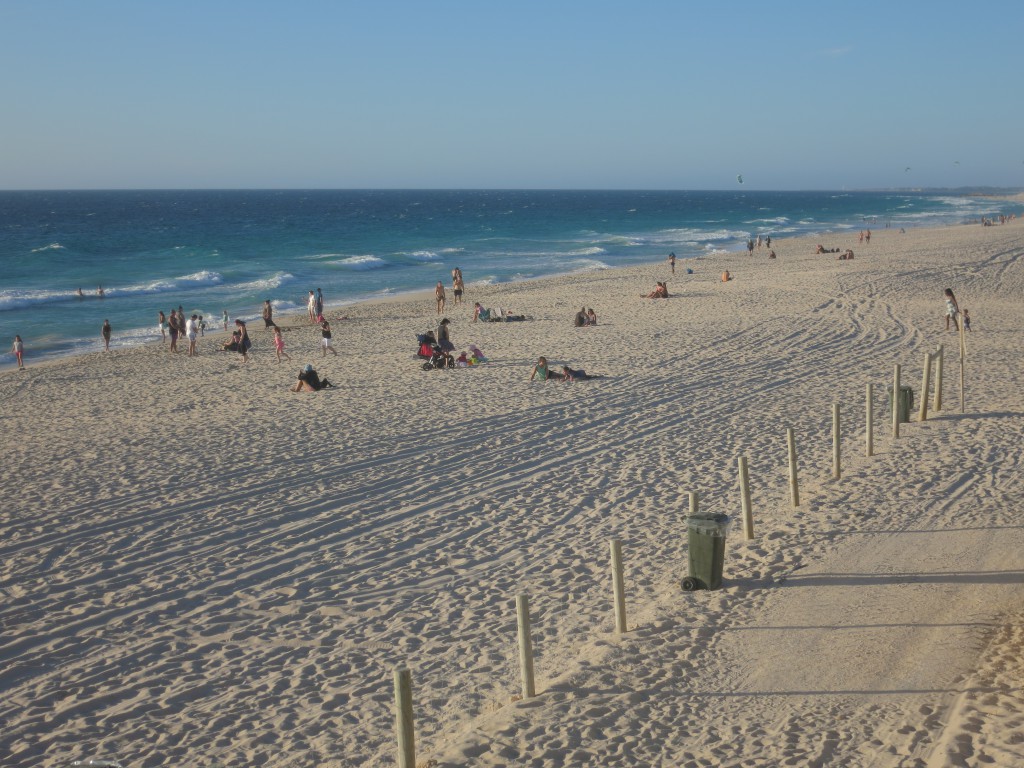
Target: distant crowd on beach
434, 347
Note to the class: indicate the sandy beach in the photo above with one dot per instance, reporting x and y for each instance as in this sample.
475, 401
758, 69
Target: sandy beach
199, 567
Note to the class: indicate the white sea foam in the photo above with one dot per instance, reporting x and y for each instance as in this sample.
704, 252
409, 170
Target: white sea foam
592, 251
274, 281
360, 262
587, 265
50, 247
423, 255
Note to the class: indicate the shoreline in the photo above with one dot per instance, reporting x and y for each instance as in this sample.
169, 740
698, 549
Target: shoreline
198, 561
414, 295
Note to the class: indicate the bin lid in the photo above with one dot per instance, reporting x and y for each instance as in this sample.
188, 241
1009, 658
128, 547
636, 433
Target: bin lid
708, 524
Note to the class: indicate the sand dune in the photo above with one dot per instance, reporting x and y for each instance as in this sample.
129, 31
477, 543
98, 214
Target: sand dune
198, 566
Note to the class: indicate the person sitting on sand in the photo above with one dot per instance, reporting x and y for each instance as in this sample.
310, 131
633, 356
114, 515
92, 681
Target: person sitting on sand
580, 319
660, 292
726, 277
309, 381
541, 370
591, 317
232, 346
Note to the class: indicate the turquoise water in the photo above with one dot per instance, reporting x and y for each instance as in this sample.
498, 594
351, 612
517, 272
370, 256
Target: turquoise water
213, 250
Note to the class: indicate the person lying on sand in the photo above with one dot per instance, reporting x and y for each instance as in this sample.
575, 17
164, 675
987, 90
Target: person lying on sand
578, 374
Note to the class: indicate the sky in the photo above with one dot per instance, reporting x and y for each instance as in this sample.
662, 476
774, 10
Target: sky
496, 94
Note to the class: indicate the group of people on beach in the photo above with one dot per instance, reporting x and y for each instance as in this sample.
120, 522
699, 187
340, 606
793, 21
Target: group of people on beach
178, 326
458, 288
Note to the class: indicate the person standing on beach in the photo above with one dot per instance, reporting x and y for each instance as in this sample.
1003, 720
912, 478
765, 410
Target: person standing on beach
952, 309
173, 329
325, 342
268, 315
319, 305
18, 348
439, 296
244, 343
105, 333
672, 262
311, 306
224, 317
457, 285
279, 345
161, 319
191, 331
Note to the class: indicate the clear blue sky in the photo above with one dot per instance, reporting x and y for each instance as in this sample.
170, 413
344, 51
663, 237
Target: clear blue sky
639, 94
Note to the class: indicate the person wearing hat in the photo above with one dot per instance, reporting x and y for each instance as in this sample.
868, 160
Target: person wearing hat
309, 381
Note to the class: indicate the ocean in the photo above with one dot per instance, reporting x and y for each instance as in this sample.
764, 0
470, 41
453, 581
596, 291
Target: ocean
211, 251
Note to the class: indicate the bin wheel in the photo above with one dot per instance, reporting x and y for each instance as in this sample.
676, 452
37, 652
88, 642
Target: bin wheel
690, 584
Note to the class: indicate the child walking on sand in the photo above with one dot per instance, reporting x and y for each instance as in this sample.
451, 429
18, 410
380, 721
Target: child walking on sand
279, 345
19, 352
952, 309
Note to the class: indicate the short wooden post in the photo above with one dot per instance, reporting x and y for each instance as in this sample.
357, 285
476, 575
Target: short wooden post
618, 587
937, 404
836, 470
794, 488
926, 384
869, 413
403, 719
525, 646
694, 503
748, 516
896, 401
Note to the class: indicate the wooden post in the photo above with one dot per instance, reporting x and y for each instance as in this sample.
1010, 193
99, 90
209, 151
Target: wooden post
836, 470
937, 404
869, 413
525, 646
896, 401
748, 517
926, 383
694, 503
618, 587
963, 354
794, 488
403, 719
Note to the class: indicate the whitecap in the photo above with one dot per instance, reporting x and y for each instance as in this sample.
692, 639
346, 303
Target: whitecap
50, 247
360, 262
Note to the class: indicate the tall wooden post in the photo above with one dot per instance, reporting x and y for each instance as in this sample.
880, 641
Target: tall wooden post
926, 383
963, 354
869, 420
618, 587
403, 719
794, 487
748, 515
937, 404
836, 470
694, 503
896, 401
525, 646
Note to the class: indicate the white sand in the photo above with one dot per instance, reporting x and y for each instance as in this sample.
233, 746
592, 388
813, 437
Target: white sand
202, 568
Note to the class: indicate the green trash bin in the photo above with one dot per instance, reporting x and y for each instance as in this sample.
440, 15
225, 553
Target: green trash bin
706, 537
906, 403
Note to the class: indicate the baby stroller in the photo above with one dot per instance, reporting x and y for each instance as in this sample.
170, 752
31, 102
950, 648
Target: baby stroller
426, 341
439, 359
